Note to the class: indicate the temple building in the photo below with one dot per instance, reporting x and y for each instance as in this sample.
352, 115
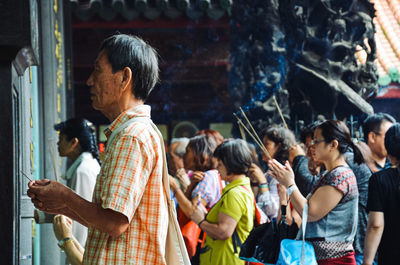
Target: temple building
214, 57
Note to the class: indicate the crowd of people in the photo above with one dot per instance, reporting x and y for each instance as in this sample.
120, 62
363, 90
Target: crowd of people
327, 170
351, 187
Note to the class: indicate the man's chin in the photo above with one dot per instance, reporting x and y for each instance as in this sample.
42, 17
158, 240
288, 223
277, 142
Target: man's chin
94, 106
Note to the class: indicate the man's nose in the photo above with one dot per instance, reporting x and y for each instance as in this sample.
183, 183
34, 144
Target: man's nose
89, 82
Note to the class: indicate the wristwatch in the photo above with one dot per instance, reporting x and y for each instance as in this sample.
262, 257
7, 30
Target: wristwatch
290, 189
62, 242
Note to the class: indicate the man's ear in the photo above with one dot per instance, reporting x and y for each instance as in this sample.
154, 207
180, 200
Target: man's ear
126, 78
335, 144
371, 137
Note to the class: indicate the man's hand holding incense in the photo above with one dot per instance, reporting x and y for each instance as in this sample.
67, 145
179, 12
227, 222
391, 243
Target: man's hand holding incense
48, 196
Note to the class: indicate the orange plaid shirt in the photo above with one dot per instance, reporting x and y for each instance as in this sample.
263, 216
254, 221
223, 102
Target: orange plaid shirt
130, 182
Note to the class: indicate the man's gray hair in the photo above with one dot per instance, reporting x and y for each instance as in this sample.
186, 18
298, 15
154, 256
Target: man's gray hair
180, 150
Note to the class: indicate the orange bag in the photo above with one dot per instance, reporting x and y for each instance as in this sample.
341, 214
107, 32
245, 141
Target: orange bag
190, 232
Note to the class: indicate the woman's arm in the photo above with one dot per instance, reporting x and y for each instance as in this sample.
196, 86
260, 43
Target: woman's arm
187, 206
321, 202
375, 226
220, 231
267, 195
63, 229
74, 251
291, 214
223, 230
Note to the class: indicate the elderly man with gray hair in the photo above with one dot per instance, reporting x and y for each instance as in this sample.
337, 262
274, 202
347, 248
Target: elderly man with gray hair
176, 151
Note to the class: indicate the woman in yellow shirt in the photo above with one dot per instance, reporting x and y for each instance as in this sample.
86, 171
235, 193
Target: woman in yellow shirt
231, 219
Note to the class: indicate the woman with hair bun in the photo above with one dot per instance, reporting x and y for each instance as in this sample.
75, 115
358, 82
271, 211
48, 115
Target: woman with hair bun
77, 142
333, 200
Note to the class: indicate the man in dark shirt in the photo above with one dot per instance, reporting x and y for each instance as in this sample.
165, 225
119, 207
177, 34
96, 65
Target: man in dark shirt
374, 127
383, 228
363, 174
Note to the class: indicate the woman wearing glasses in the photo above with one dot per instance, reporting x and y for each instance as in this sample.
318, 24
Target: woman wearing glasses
333, 200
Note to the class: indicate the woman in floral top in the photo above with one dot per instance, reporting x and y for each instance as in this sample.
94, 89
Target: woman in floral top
333, 201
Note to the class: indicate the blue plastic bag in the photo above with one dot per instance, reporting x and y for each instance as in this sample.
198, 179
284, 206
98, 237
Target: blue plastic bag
291, 252
297, 252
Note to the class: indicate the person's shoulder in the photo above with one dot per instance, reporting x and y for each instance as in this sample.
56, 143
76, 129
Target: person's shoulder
362, 171
137, 130
240, 193
141, 132
339, 174
382, 175
211, 174
88, 165
300, 159
342, 171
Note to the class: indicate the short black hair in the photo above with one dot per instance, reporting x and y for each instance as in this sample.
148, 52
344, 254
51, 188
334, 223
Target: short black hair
308, 131
130, 51
392, 141
373, 123
236, 156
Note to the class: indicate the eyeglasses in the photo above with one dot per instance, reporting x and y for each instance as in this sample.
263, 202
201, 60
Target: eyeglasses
314, 142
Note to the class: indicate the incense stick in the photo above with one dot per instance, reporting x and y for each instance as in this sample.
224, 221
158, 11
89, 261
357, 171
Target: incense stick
265, 151
53, 159
251, 127
280, 112
26, 176
242, 132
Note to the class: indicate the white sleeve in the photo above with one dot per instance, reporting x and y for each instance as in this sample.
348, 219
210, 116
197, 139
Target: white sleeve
85, 182
269, 200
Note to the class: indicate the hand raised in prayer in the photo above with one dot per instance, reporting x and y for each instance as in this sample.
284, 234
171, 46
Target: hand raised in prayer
183, 178
197, 176
294, 151
173, 184
283, 174
256, 174
62, 227
199, 213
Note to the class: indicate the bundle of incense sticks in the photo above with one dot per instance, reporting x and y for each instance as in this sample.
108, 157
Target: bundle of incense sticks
253, 134
53, 159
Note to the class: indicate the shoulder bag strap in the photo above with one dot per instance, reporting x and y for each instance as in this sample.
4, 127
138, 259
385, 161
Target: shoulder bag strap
176, 252
145, 120
303, 227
